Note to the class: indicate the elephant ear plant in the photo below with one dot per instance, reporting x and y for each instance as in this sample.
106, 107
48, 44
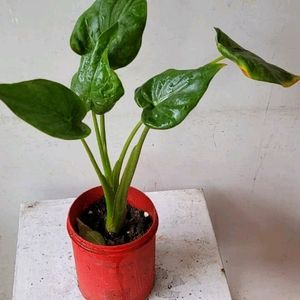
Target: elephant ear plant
108, 36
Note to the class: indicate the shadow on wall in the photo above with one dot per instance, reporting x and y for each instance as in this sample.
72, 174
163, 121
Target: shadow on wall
259, 242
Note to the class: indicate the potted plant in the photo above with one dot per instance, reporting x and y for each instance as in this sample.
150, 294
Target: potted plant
113, 227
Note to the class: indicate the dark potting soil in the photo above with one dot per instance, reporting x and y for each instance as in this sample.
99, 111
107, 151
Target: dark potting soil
136, 224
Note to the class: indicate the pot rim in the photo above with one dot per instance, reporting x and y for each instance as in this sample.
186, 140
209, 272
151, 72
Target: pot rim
101, 249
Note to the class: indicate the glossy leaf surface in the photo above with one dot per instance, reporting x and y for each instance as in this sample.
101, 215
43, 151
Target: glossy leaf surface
48, 106
252, 65
95, 82
168, 98
90, 235
102, 15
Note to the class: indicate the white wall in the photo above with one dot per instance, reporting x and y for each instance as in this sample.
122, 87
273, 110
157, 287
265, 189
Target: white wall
241, 144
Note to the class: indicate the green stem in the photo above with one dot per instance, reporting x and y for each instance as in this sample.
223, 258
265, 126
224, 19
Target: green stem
119, 163
105, 163
115, 221
104, 144
106, 188
103, 131
217, 59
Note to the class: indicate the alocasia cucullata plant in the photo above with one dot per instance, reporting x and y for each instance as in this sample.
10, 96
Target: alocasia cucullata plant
108, 36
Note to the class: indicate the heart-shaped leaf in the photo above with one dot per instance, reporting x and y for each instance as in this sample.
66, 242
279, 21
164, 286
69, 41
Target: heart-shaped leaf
103, 14
252, 65
96, 83
48, 106
89, 234
168, 98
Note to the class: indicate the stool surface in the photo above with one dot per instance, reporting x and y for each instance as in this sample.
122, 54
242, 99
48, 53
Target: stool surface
188, 265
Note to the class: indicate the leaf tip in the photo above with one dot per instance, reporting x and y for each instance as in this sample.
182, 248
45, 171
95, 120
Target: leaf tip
218, 33
290, 83
219, 65
222, 65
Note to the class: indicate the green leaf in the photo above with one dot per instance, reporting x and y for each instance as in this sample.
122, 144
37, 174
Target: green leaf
168, 98
48, 106
95, 82
103, 14
252, 65
90, 235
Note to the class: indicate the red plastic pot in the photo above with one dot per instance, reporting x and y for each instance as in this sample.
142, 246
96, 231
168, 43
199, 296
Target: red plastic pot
124, 272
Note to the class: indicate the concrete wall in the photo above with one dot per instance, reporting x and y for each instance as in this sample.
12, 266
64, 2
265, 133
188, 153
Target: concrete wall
241, 144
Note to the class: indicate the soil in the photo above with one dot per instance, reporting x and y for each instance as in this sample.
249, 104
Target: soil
136, 224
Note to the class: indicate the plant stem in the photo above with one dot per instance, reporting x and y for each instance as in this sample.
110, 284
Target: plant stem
106, 188
103, 131
217, 59
104, 143
119, 163
115, 221
105, 163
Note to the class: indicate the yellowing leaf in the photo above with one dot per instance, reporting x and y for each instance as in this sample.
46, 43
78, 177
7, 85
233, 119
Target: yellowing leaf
252, 65
89, 234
